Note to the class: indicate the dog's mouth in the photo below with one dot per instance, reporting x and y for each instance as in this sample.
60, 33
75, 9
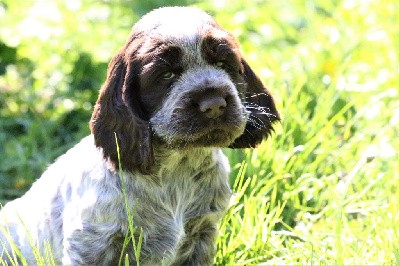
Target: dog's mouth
214, 136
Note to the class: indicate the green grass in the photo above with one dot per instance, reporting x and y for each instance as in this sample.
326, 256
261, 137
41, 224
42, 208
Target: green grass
130, 210
324, 189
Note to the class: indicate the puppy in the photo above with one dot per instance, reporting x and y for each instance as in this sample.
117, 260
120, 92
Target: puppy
176, 93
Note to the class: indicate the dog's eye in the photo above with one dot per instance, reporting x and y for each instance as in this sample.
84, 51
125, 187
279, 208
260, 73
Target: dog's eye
168, 75
220, 64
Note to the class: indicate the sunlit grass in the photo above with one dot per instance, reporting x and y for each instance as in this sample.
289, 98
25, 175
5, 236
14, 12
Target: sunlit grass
130, 211
324, 189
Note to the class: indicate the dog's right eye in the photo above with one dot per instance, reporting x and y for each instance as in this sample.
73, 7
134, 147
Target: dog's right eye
168, 75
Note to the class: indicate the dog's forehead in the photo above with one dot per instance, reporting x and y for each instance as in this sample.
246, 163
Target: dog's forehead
177, 23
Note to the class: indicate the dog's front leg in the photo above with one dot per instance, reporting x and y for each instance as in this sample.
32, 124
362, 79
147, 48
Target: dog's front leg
92, 245
198, 245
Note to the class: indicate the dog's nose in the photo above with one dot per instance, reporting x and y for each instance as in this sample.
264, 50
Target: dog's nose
212, 107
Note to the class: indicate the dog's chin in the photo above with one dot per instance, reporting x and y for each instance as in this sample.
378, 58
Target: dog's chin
214, 138
208, 138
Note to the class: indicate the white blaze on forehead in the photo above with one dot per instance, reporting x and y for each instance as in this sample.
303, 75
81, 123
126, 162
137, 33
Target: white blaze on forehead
176, 22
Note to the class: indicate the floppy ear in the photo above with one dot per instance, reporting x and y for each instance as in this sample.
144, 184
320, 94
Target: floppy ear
117, 113
261, 108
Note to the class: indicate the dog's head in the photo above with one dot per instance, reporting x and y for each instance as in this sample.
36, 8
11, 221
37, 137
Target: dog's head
179, 81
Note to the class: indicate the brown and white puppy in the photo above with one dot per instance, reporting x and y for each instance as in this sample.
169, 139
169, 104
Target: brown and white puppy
177, 92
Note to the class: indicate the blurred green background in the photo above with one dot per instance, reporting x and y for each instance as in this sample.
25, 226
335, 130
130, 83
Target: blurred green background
333, 67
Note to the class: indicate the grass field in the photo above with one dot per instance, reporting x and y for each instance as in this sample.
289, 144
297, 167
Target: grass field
324, 189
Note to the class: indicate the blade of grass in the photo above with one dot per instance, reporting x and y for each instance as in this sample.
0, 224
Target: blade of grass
131, 227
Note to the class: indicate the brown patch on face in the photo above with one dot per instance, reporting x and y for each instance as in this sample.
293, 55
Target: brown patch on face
222, 52
160, 70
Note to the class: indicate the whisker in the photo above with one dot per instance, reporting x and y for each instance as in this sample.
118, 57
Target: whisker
248, 131
261, 110
256, 124
253, 95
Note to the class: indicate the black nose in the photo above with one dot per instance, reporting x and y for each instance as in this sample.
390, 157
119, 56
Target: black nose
212, 107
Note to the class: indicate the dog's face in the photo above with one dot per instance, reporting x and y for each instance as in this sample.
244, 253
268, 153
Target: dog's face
190, 79
179, 81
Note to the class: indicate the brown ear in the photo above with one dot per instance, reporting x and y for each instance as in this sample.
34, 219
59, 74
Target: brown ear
261, 108
117, 112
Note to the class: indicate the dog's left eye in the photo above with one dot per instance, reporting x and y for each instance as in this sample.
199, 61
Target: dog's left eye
168, 75
220, 64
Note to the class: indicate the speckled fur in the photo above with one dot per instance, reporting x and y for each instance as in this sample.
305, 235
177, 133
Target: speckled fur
81, 211
172, 164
